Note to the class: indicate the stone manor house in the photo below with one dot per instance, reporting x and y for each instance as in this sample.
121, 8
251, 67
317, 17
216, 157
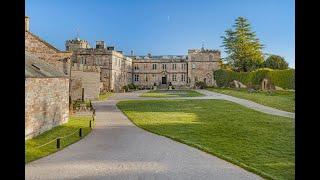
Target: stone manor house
54, 78
118, 70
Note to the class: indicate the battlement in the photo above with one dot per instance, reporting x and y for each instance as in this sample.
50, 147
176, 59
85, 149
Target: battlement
77, 41
202, 50
161, 57
85, 68
75, 44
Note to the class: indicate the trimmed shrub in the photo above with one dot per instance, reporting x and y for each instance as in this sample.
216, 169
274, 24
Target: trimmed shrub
132, 86
201, 84
281, 78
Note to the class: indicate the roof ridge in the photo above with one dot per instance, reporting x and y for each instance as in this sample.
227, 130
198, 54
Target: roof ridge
45, 42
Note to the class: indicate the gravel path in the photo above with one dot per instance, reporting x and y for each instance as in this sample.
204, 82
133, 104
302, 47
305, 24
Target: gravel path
117, 149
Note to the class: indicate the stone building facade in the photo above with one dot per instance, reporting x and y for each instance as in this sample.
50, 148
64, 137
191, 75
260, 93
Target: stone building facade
118, 70
46, 96
181, 71
115, 68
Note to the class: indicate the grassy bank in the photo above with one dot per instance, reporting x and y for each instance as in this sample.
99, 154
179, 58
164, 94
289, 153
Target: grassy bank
283, 100
74, 124
171, 93
105, 96
258, 142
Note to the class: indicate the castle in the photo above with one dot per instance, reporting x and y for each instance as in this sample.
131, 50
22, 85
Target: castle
54, 79
118, 70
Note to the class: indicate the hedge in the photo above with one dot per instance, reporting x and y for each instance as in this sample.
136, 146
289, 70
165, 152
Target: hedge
281, 78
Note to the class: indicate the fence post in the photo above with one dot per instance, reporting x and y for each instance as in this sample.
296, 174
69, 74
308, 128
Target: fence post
58, 143
80, 132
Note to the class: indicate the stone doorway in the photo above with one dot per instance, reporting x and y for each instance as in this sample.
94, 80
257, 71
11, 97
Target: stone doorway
164, 80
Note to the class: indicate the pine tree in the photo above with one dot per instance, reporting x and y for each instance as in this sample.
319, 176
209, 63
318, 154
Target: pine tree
242, 46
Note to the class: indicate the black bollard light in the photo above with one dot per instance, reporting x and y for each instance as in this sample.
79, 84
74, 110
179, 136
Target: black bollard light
58, 143
80, 132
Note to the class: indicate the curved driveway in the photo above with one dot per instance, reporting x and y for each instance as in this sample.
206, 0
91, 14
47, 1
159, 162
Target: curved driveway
117, 149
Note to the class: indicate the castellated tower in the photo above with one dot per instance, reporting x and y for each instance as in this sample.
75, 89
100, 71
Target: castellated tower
201, 64
75, 44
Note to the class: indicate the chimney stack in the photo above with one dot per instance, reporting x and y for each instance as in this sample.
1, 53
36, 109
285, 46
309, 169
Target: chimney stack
26, 23
100, 45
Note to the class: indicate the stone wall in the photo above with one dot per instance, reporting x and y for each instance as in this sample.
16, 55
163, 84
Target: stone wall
76, 89
46, 104
153, 70
90, 81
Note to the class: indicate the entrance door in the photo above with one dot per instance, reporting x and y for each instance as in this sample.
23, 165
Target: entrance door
164, 80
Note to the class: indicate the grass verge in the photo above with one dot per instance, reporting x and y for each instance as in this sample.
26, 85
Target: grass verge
283, 100
261, 143
171, 93
105, 96
75, 123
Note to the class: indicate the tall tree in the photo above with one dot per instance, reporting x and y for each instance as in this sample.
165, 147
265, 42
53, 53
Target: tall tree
276, 62
242, 46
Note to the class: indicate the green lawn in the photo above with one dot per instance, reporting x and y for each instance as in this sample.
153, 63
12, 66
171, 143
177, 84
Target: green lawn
105, 96
171, 93
258, 142
283, 100
75, 122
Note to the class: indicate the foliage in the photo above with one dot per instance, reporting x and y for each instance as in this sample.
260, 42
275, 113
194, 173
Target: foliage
77, 103
242, 46
75, 123
259, 142
126, 88
201, 84
283, 100
276, 62
281, 78
105, 95
132, 86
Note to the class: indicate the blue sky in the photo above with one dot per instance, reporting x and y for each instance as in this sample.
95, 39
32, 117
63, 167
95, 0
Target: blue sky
163, 27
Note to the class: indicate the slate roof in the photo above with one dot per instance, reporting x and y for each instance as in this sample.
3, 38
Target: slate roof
37, 68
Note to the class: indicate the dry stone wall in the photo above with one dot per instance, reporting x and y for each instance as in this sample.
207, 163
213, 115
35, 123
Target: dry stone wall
46, 104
